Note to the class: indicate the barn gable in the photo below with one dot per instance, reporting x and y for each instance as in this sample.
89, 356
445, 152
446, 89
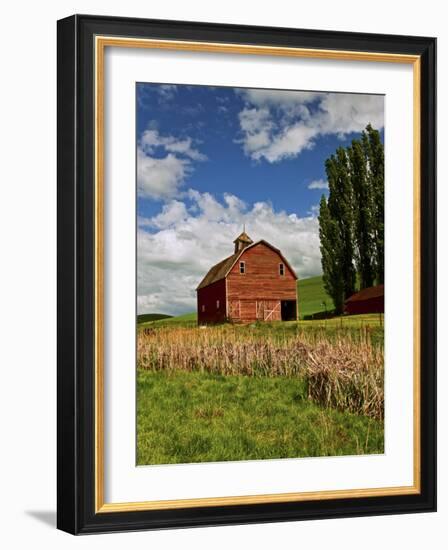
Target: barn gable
262, 242
261, 286
224, 267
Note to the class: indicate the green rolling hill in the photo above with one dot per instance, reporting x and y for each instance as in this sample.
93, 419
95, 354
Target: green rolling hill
146, 317
312, 295
186, 319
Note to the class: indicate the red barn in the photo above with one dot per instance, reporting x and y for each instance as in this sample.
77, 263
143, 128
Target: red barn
368, 300
255, 283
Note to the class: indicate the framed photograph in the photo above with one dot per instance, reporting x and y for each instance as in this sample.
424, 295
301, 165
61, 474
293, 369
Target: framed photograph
246, 274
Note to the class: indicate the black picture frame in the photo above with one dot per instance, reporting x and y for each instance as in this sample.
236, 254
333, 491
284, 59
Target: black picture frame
76, 255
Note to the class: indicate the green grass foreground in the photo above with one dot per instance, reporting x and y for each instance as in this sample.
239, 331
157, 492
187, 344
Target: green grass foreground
185, 417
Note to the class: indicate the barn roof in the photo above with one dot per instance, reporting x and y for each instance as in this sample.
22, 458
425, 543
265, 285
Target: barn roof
220, 270
367, 294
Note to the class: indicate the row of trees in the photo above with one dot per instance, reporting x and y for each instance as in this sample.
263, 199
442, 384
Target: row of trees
351, 220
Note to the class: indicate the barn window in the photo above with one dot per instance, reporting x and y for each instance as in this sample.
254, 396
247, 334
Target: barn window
203, 308
242, 267
281, 268
217, 304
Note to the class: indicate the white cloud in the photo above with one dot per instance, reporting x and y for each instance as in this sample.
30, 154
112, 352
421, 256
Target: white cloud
279, 124
173, 213
192, 236
345, 113
151, 139
277, 97
160, 177
318, 184
257, 126
288, 143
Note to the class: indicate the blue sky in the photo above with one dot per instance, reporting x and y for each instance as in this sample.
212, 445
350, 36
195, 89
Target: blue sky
210, 159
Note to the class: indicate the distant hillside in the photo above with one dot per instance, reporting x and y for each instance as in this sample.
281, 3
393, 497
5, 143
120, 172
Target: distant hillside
312, 295
186, 319
145, 317
182, 318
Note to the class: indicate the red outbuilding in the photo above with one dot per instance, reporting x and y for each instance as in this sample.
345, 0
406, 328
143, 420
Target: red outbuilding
368, 300
255, 283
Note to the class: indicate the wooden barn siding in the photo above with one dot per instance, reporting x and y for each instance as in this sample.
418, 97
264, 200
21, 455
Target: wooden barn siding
248, 310
207, 296
262, 280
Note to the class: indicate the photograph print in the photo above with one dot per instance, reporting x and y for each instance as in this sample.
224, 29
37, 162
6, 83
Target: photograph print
260, 274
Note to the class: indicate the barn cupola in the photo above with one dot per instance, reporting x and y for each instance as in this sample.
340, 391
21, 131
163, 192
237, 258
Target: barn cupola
242, 241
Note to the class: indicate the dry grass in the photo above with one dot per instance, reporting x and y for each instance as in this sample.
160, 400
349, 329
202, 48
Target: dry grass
347, 377
343, 372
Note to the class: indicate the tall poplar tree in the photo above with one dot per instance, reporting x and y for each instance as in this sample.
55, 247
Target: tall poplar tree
362, 212
336, 224
340, 205
330, 248
375, 156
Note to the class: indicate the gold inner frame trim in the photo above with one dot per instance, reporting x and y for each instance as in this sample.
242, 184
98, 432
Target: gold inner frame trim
101, 42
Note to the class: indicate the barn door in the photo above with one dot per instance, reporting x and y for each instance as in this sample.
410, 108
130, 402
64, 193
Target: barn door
234, 310
272, 311
268, 310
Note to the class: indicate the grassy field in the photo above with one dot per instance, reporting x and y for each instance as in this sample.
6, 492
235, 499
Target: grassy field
336, 326
188, 319
202, 417
263, 390
145, 317
266, 390
312, 295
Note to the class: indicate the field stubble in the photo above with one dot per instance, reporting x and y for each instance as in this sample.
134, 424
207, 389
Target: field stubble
342, 369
